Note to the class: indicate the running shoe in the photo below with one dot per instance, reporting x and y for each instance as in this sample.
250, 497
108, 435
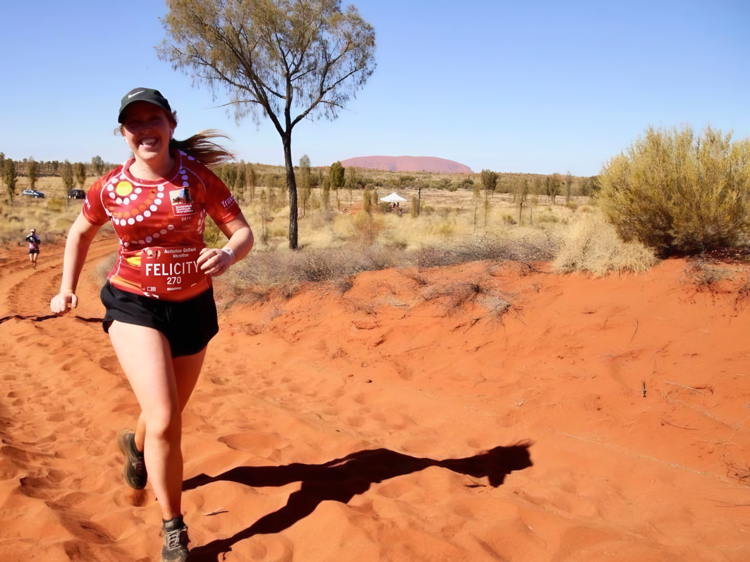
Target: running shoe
176, 539
134, 468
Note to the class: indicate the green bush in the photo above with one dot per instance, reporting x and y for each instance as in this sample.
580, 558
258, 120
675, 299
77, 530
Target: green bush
674, 191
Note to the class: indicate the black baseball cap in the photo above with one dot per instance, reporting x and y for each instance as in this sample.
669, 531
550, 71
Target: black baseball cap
143, 94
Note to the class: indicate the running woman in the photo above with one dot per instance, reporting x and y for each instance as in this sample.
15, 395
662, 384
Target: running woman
160, 306
34, 242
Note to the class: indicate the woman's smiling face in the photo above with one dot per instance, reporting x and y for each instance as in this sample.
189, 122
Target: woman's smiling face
147, 131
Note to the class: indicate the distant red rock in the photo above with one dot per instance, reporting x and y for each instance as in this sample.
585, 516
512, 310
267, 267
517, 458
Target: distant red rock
407, 164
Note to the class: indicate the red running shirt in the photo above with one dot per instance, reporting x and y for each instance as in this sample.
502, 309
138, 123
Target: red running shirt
169, 214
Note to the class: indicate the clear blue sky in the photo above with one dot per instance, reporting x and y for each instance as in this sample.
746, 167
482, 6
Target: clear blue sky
535, 86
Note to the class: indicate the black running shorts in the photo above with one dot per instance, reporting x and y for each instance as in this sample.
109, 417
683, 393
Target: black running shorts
31, 251
187, 325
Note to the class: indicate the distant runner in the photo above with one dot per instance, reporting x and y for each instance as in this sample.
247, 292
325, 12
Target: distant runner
34, 242
160, 305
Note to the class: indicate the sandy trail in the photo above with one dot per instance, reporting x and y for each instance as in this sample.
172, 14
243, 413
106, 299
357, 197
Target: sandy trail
414, 417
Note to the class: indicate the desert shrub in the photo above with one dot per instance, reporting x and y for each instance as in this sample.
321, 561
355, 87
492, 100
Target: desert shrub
592, 244
367, 200
674, 191
508, 219
56, 205
406, 179
489, 246
466, 183
705, 275
61, 224
263, 272
444, 228
546, 216
279, 232
323, 219
365, 228
572, 205
587, 209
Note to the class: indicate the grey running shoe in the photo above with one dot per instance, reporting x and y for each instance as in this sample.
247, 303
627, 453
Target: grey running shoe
176, 539
134, 469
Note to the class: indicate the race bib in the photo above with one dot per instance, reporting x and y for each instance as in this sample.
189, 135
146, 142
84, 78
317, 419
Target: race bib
166, 270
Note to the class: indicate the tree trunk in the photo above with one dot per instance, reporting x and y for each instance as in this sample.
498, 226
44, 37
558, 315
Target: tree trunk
291, 186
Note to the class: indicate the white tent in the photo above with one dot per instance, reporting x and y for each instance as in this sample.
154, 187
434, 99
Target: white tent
393, 198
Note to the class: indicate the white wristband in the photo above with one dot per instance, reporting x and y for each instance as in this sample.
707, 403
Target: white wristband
230, 253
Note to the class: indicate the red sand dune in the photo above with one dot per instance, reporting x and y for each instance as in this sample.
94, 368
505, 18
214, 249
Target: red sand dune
396, 423
408, 164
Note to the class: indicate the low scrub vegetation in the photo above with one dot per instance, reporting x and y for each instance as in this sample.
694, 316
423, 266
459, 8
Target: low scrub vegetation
517, 218
592, 244
286, 271
676, 191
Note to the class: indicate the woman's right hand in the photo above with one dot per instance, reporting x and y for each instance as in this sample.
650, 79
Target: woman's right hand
60, 302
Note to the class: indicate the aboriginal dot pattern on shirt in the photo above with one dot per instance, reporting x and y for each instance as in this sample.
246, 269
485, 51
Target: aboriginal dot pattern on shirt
167, 213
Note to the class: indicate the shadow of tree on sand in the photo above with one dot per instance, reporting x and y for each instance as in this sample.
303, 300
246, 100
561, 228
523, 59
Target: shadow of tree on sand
342, 479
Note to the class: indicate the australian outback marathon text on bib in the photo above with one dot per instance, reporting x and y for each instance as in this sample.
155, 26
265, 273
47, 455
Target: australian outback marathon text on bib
160, 225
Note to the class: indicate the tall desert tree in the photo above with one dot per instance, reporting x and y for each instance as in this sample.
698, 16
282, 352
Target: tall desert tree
31, 169
10, 178
568, 187
66, 174
285, 60
337, 174
489, 181
79, 171
252, 180
97, 166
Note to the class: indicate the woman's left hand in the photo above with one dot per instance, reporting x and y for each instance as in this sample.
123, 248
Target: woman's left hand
213, 261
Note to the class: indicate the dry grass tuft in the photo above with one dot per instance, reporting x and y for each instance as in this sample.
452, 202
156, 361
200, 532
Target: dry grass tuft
496, 306
706, 276
591, 244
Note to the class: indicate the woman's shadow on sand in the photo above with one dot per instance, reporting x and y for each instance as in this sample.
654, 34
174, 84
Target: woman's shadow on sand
342, 479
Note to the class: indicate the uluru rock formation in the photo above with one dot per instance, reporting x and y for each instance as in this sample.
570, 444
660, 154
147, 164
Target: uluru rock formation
408, 164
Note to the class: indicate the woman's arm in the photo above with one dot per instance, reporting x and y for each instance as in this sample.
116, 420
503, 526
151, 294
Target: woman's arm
77, 246
214, 262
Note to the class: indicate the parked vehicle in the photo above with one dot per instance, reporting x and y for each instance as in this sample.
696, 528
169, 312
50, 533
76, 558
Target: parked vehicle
76, 194
33, 193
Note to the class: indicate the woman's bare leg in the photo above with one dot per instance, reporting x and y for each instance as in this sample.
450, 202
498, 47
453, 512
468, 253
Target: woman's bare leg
186, 371
145, 356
